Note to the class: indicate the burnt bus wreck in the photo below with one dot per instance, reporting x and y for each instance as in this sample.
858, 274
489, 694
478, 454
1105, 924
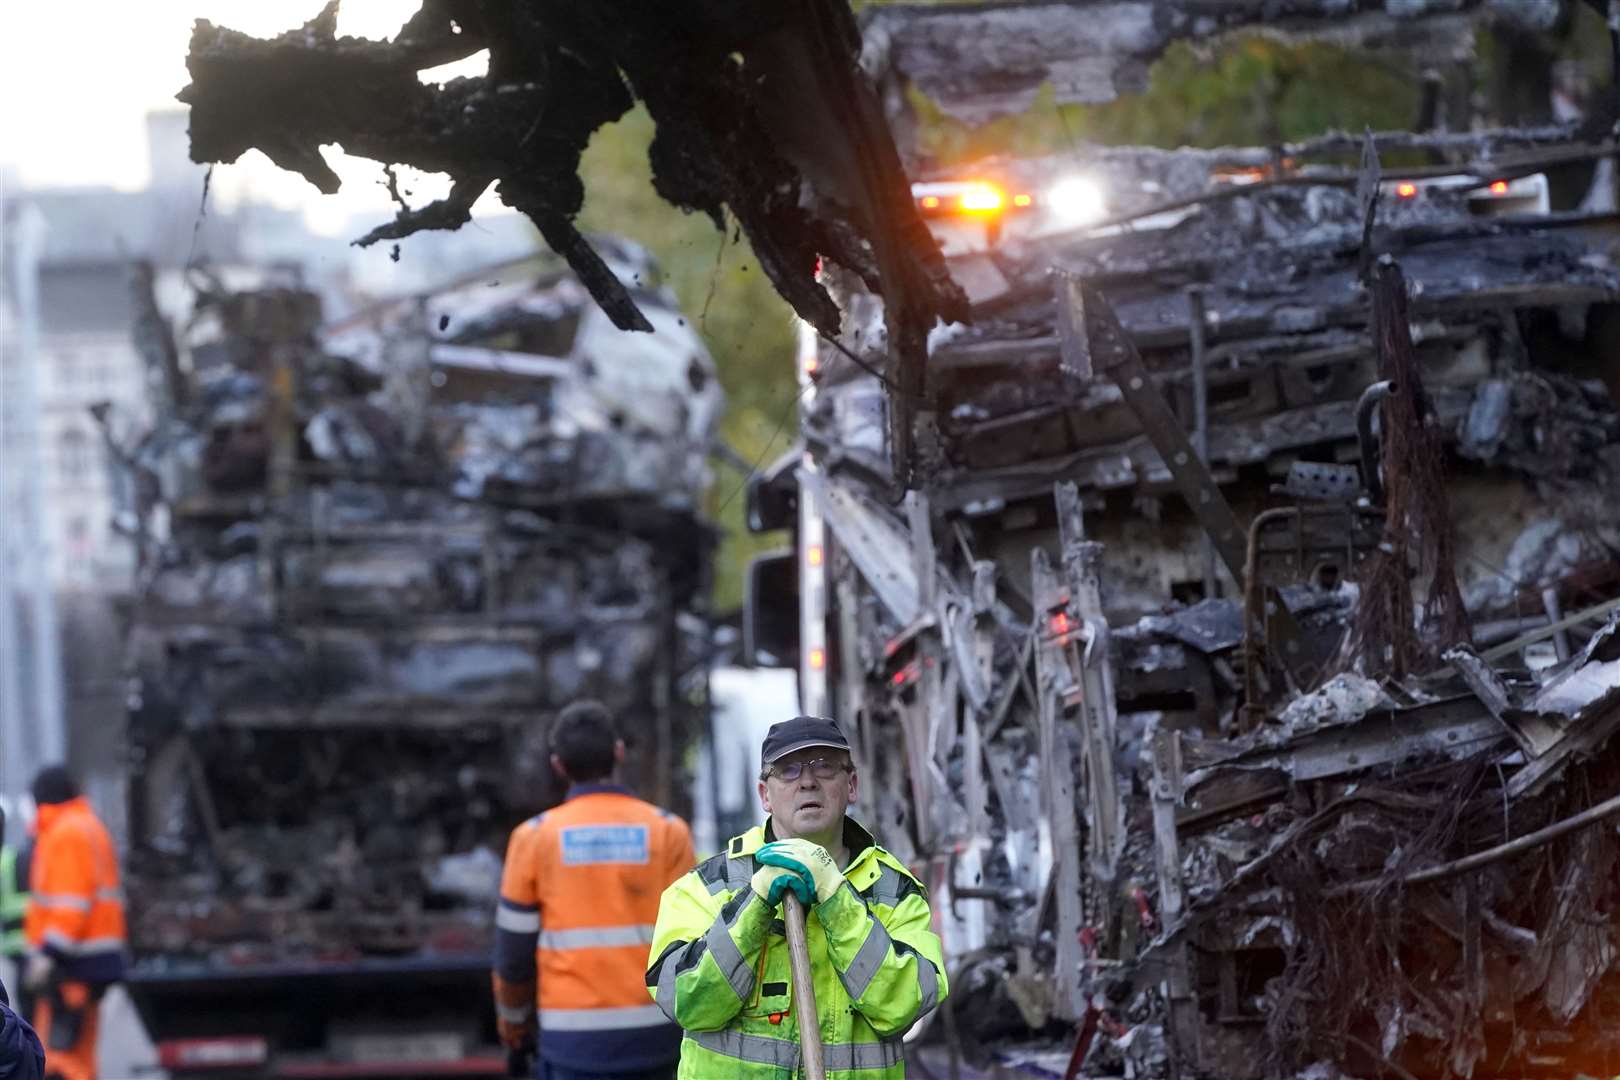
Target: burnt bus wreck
1246, 668
375, 556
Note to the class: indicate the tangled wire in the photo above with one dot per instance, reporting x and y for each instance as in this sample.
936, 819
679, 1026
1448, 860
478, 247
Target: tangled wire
1454, 977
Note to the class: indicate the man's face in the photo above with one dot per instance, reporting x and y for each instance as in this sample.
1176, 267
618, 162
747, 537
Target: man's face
810, 804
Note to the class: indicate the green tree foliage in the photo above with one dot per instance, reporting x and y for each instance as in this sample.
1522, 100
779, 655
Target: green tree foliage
748, 328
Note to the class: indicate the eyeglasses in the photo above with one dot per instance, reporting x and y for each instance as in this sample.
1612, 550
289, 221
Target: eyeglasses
821, 768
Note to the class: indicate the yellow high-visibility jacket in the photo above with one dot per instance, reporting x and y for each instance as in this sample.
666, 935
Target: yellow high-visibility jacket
13, 904
719, 967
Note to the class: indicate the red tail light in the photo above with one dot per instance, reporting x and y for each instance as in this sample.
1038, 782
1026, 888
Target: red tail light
219, 1052
909, 673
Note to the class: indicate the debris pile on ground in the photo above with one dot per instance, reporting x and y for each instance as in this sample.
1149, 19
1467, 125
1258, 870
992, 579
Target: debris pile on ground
373, 548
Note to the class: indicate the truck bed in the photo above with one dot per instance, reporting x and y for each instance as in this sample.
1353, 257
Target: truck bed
375, 1017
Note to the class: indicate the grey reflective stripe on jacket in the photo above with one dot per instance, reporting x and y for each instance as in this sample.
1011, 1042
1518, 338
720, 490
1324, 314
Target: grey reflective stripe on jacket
784, 1054
721, 946
739, 875
890, 888
597, 937
858, 976
617, 1018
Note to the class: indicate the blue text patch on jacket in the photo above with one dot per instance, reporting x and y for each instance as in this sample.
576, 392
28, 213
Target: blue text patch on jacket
584, 845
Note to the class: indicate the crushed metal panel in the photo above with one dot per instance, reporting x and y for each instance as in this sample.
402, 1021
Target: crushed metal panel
877, 547
1382, 737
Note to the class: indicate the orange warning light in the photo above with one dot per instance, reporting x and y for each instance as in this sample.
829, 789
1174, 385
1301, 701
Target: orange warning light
983, 198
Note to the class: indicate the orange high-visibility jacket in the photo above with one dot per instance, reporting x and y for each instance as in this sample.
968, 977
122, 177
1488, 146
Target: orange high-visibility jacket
579, 898
75, 905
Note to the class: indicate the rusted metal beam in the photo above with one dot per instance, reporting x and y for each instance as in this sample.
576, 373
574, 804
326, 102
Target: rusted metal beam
1110, 352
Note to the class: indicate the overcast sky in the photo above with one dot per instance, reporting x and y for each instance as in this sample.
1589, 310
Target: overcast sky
77, 78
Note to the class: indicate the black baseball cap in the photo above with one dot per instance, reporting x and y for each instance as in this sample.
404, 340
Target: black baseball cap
800, 733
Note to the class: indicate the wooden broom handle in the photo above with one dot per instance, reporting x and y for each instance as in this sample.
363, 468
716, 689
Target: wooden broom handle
804, 990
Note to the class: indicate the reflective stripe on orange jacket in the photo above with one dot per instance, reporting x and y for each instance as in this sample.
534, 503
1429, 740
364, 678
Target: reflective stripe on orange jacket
579, 898
75, 904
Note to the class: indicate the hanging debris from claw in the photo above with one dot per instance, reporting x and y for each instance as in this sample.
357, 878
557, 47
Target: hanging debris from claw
761, 112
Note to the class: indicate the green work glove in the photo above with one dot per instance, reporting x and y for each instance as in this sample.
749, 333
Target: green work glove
817, 874
770, 882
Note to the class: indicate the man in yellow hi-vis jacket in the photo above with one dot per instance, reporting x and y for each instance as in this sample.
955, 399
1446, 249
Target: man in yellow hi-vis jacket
719, 960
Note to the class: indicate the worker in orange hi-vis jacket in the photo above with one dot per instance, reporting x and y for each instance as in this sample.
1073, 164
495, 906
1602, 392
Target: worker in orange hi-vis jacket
74, 924
579, 897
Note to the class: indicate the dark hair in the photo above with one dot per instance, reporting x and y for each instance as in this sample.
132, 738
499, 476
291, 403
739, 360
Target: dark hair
54, 784
582, 738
